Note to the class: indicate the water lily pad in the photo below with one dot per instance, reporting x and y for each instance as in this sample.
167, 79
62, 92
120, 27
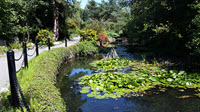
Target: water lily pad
85, 90
188, 83
114, 85
169, 79
152, 78
111, 64
80, 82
181, 72
120, 93
90, 95
99, 96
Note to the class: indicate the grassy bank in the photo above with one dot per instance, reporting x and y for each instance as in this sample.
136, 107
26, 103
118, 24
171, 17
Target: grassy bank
38, 81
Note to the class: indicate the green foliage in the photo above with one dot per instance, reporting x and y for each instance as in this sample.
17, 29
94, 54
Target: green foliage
111, 64
72, 26
110, 15
88, 35
87, 47
194, 43
22, 19
73, 31
3, 49
25, 18
112, 84
169, 24
112, 34
95, 26
15, 45
5, 20
43, 36
142, 77
93, 10
73, 21
172, 78
39, 80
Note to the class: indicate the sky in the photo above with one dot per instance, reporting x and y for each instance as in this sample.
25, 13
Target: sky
84, 2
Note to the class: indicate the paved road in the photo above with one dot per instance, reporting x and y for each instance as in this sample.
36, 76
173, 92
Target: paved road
4, 78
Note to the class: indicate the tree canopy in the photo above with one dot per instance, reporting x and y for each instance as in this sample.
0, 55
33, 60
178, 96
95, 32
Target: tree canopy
22, 19
167, 25
173, 26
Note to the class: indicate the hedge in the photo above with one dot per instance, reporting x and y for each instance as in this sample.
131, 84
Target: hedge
39, 80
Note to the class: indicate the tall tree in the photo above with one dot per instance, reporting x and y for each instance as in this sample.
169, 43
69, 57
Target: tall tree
55, 18
5, 19
62, 9
93, 10
165, 23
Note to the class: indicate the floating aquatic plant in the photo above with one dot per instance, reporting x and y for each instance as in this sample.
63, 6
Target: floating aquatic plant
112, 84
111, 64
172, 78
142, 77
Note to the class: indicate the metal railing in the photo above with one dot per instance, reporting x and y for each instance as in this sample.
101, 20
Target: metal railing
14, 84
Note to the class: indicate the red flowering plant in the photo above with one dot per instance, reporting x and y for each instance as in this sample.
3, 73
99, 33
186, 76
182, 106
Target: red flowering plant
102, 39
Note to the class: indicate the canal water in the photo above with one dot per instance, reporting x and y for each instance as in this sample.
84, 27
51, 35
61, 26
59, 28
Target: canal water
155, 100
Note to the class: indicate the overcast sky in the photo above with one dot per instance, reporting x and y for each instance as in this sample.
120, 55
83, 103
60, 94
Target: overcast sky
84, 2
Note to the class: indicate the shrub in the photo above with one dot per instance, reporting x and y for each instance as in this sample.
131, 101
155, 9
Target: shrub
102, 38
73, 31
112, 34
43, 36
95, 26
15, 45
39, 80
3, 49
71, 23
98, 28
88, 35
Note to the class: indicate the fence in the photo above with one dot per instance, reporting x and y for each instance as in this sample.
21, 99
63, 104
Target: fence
14, 84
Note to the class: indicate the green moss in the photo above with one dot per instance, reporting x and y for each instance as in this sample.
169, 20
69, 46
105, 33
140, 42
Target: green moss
38, 81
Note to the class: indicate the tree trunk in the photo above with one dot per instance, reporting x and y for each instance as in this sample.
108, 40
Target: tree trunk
55, 28
101, 43
27, 31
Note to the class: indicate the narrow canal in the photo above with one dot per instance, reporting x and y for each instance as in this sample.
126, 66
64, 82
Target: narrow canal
155, 100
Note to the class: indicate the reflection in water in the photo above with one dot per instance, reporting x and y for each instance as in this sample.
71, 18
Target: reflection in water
79, 70
68, 84
170, 100
154, 100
